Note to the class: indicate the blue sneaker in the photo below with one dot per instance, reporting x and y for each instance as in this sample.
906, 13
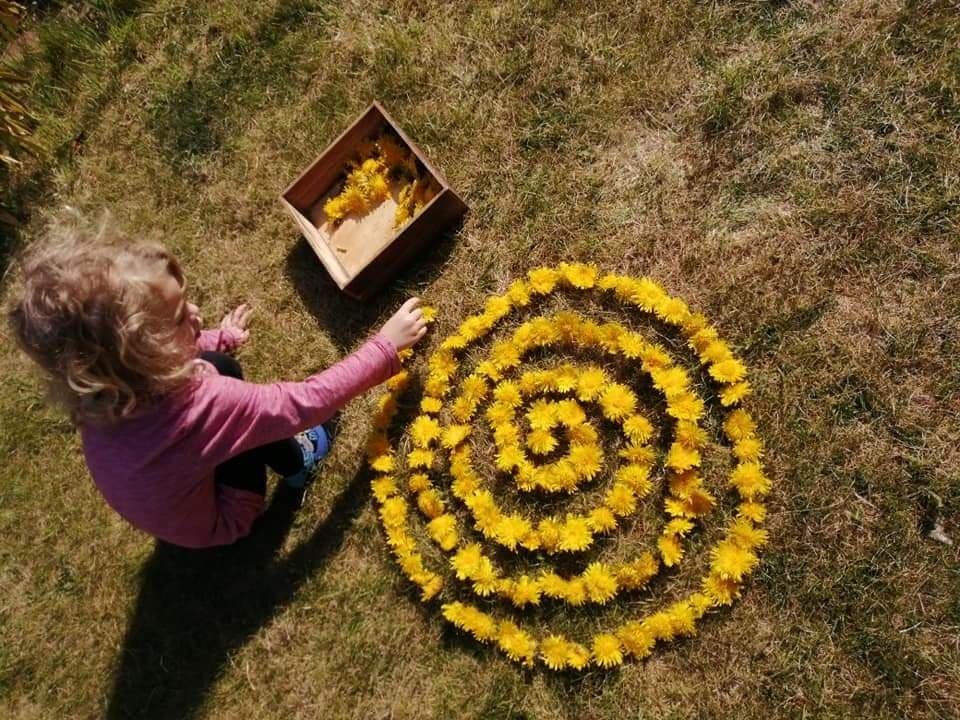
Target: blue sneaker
314, 444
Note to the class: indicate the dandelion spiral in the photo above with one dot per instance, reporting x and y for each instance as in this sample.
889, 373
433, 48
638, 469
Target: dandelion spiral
548, 446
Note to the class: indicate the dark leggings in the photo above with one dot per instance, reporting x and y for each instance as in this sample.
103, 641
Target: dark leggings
247, 471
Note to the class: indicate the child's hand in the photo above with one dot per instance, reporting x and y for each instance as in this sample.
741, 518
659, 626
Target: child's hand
235, 322
406, 326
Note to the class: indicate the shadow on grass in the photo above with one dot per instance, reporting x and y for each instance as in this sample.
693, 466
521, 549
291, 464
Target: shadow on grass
197, 607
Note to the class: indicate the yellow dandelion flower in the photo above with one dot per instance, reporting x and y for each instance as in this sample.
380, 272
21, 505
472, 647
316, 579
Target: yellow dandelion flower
599, 582
443, 530
424, 430
454, 342
723, 591
586, 459
714, 351
732, 394
553, 652
749, 480
550, 531
673, 310
607, 651
541, 442
509, 457
682, 618
637, 428
454, 435
398, 381
430, 503
436, 386
639, 454
732, 562
636, 477
739, 425
430, 405
579, 275
465, 485
570, 414
746, 535
686, 406
542, 415
510, 530
508, 394
670, 549
542, 280
590, 382
691, 434
552, 585
443, 363
519, 293
419, 458
621, 500
418, 482
525, 591
728, 371
506, 434
498, 413
430, 587
575, 535
383, 487
497, 306
678, 526
601, 520
659, 626
636, 574
655, 358
486, 514
749, 449
386, 409
582, 434
636, 639
752, 510
475, 388
671, 381
463, 408
517, 644
393, 512
577, 656
383, 463
575, 592
681, 457
617, 401
632, 345
466, 562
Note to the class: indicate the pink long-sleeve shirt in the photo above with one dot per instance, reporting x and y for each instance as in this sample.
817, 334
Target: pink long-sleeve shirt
156, 468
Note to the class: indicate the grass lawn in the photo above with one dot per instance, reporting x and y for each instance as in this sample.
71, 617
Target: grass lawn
791, 169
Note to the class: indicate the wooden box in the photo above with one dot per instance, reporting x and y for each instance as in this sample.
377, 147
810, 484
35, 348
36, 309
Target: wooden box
363, 253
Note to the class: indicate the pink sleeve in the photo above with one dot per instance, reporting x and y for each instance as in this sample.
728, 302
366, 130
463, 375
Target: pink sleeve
229, 416
217, 341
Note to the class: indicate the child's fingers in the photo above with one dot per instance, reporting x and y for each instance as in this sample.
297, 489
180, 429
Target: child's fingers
410, 304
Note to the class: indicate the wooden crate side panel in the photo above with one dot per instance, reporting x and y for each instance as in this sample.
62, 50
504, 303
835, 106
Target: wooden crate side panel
329, 165
320, 247
445, 208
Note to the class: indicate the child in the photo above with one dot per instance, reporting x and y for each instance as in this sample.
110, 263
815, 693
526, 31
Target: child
175, 440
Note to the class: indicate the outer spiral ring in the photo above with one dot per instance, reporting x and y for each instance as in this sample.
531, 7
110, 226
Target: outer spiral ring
732, 558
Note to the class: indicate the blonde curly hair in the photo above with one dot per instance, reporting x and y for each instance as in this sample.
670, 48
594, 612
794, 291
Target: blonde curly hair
89, 312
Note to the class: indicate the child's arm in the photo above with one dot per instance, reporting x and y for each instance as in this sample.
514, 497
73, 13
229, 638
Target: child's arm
229, 416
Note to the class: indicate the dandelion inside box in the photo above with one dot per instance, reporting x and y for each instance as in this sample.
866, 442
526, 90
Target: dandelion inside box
370, 203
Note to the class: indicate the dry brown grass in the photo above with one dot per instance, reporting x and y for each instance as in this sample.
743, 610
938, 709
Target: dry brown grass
789, 168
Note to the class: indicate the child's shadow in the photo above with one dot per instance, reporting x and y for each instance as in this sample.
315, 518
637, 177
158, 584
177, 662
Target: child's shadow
196, 608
